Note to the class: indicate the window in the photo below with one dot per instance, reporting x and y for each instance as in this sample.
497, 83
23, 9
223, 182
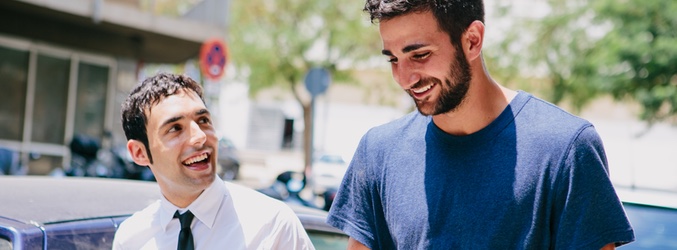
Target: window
328, 241
14, 72
51, 97
48, 94
5, 244
90, 108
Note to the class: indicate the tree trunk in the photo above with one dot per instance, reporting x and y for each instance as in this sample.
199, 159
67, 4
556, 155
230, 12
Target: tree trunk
307, 137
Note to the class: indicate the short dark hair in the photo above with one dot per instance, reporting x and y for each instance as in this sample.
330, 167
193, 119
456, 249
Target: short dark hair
453, 16
147, 94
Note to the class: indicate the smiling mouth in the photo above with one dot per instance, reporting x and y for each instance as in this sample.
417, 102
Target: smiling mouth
196, 159
423, 89
419, 92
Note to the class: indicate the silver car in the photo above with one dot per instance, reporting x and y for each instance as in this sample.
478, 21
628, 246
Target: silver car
40, 212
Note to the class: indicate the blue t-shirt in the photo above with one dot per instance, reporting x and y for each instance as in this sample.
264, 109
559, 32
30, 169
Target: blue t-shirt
535, 178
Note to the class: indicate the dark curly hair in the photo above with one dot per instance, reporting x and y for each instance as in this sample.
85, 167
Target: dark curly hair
453, 16
147, 94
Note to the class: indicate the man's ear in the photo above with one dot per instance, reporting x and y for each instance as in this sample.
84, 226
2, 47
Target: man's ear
473, 39
138, 152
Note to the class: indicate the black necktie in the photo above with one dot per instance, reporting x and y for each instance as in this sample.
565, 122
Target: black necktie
185, 235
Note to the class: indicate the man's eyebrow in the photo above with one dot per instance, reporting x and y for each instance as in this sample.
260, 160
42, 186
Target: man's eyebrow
412, 47
202, 112
176, 118
405, 50
171, 120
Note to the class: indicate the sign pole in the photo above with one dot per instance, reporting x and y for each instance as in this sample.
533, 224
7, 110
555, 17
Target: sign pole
317, 81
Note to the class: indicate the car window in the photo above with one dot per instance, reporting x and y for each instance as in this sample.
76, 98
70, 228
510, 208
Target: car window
332, 159
328, 241
87, 234
226, 143
655, 227
5, 244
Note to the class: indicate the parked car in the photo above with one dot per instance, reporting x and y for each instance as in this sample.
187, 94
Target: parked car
10, 162
327, 172
40, 212
653, 215
229, 161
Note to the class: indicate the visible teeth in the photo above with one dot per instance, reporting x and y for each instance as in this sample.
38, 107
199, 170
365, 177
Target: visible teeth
422, 89
195, 159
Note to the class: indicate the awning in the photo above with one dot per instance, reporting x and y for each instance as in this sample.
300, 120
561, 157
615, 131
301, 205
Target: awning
107, 27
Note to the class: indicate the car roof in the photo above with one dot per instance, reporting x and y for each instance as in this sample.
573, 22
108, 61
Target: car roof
313, 219
648, 197
46, 200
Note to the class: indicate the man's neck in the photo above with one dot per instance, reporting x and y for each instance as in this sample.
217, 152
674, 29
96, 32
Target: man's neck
484, 102
182, 198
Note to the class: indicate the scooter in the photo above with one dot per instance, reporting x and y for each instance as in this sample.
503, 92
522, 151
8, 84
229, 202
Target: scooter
287, 187
125, 167
85, 158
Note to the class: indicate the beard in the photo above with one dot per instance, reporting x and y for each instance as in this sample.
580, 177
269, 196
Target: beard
453, 91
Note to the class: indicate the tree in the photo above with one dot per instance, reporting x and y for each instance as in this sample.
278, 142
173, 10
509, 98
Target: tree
638, 57
624, 48
275, 43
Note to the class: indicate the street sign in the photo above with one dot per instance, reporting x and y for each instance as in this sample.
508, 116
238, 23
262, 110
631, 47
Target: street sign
317, 81
213, 58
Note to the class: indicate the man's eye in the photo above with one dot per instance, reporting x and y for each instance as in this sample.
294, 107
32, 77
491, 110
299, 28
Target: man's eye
175, 128
421, 56
392, 60
205, 120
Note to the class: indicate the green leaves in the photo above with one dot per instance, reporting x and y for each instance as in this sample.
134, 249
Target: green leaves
623, 48
275, 42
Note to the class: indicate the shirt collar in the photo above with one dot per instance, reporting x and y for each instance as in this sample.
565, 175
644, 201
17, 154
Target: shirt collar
205, 207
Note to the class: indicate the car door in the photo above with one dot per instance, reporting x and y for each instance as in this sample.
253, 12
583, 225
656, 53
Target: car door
81, 234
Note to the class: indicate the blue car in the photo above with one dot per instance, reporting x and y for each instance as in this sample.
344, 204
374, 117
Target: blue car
653, 215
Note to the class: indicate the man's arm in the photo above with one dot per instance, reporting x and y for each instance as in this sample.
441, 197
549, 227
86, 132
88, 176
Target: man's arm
610, 246
353, 244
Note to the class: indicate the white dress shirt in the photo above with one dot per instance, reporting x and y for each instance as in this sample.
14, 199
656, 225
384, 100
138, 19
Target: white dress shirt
226, 217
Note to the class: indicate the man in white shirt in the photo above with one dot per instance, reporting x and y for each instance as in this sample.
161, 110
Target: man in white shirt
170, 130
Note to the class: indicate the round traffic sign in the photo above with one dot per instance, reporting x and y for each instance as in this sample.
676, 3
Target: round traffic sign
317, 81
213, 58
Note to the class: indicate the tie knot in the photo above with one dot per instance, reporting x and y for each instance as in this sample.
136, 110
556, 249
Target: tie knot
185, 219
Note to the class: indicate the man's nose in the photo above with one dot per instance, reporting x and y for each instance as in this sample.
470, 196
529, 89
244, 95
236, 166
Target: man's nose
407, 74
197, 136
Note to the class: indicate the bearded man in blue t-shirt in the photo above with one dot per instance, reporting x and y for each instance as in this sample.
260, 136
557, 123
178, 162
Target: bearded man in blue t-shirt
479, 166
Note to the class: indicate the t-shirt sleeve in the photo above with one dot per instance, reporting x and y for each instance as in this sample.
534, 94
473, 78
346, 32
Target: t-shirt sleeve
587, 211
353, 207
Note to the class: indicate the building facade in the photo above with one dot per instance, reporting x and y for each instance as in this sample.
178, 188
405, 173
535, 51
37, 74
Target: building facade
67, 65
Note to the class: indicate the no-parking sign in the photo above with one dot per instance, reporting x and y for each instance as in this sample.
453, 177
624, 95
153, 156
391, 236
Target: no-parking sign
213, 58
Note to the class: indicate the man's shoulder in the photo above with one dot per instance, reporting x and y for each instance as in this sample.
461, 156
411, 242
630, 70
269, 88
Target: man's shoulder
537, 111
139, 221
255, 207
246, 197
413, 121
542, 124
145, 215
